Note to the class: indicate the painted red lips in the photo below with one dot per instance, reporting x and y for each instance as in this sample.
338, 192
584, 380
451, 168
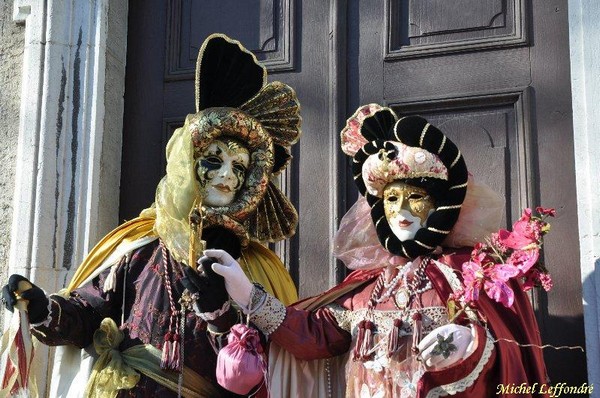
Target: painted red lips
223, 188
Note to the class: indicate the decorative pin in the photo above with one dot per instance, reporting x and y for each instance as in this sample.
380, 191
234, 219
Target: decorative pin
402, 298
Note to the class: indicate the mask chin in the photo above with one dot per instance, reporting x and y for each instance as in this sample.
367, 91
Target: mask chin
399, 224
215, 198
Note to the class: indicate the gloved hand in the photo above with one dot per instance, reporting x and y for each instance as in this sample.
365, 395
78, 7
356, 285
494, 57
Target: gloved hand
37, 302
237, 284
206, 284
446, 345
222, 238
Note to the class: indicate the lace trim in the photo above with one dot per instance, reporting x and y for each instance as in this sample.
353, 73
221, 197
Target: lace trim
449, 275
270, 315
455, 284
432, 317
463, 384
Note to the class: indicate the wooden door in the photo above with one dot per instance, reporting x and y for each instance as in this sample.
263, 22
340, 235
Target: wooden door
493, 75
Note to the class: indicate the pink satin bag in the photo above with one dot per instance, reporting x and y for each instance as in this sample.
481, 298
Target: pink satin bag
241, 364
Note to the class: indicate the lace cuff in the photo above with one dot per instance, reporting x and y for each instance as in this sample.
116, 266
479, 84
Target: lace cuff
211, 316
469, 380
269, 316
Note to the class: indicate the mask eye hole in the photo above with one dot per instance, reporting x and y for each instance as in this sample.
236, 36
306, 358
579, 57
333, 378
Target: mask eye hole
415, 196
239, 167
214, 160
392, 199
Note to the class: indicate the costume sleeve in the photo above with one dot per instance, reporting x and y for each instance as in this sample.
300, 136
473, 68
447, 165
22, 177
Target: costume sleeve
470, 377
305, 334
74, 319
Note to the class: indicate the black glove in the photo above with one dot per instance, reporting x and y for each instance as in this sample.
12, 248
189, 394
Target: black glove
224, 239
208, 287
37, 308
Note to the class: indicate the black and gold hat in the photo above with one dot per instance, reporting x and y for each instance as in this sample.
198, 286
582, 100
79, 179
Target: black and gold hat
233, 101
386, 149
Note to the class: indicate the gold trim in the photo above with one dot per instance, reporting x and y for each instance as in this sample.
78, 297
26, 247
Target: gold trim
442, 145
456, 160
458, 186
449, 207
385, 244
404, 251
439, 231
357, 176
378, 221
423, 134
396, 129
424, 245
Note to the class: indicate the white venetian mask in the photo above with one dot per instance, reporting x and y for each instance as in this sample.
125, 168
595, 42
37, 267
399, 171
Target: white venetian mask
221, 171
406, 208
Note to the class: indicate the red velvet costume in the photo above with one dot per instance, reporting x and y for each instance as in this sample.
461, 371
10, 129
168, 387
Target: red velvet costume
310, 331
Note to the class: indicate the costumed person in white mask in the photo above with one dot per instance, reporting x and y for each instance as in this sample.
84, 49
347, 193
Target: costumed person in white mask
154, 337
385, 331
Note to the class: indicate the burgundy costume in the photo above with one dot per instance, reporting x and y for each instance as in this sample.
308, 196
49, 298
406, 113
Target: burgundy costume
316, 334
145, 315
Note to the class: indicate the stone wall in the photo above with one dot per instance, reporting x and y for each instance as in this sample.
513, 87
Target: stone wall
11, 58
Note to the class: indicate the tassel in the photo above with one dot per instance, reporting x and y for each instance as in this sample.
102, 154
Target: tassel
175, 360
360, 336
364, 341
171, 352
417, 331
166, 350
394, 338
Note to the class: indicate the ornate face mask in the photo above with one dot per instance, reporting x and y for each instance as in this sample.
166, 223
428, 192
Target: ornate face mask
221, 170
406, 208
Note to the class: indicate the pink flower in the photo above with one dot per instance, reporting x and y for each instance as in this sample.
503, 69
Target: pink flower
492, 278
500, 292
524, 259
546, 211
546, 281
495, 242
525, 232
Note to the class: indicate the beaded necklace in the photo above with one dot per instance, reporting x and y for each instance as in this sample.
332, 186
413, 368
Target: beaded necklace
403, 298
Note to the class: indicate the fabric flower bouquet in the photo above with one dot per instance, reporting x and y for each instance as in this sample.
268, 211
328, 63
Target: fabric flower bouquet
507, 255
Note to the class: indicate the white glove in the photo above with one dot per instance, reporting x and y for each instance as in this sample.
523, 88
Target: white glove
458, 343
237, 284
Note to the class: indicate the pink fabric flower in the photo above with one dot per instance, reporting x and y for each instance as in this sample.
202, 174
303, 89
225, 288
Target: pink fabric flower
492, 277
473, 280
525, 232
524, 259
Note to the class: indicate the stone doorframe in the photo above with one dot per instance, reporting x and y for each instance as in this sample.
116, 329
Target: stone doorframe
584, 36
69, 150
69, 147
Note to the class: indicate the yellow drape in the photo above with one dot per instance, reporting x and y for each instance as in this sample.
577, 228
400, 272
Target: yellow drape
260, 264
